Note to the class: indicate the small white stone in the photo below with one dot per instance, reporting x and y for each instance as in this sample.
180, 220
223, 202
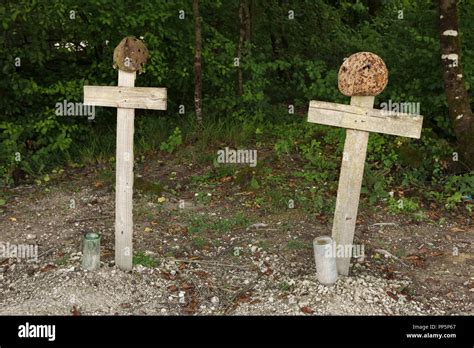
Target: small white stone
30, 236
215, 300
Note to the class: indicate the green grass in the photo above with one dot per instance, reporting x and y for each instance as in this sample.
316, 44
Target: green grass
284, 286
140, 258
297, 245
62, 261
199, 224
199, 242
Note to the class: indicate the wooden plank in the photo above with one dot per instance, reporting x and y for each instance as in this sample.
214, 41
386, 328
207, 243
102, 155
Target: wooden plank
124, 180
366, 119
126, 97
350, 182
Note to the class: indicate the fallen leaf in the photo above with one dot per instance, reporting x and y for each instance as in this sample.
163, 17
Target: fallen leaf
226, 179
13, 219
413, 257
172, 288
75, 311
392, 295
244, 298
98, 184
148, 229
269, 270
161, 200
307, 310
320, 217
416, 260
186, 286
47, 268
423, 250
202, 274
457, 229
192, 305
167, 275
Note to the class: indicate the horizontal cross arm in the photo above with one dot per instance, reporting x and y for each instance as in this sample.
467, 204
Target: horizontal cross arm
370, 120
126, 97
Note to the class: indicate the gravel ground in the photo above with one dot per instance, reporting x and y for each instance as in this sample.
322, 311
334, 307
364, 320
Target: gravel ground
410, 266
265, 285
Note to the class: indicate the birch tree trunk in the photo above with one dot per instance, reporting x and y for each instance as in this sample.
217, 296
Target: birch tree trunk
460, 112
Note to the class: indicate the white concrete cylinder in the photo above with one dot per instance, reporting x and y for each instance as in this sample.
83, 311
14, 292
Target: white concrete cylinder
325, 259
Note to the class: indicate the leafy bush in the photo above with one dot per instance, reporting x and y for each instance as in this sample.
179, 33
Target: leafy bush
174, 140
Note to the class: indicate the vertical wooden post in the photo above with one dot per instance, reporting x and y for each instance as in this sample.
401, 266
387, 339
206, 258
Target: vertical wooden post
124, 179
362, 76
348, 192
129, 56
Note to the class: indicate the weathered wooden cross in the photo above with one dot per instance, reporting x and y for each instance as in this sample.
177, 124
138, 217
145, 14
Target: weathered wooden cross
362, 76
129, 56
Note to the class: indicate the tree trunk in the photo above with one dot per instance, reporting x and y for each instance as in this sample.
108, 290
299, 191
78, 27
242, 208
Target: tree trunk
248, 20
374, 6
197, 62
460, 112
244, 38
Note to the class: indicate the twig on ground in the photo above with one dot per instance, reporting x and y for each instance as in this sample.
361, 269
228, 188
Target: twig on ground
91, 218
242, 291
47, 252
210, 263
387, 254
385, 224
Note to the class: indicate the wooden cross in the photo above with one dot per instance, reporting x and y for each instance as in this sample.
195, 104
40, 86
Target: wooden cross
129, 56
362, 76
